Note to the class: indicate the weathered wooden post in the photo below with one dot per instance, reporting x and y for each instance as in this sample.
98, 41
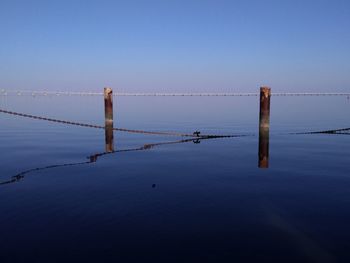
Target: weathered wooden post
108, 98
265, 95
108, 95
264, 127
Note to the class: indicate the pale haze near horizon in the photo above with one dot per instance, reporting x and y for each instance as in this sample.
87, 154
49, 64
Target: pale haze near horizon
175, 46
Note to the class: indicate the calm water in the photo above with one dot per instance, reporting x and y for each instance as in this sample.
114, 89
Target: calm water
183, 202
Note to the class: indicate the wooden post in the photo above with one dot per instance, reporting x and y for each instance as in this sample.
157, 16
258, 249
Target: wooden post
264, 127
108, 95
265, 95
108, 98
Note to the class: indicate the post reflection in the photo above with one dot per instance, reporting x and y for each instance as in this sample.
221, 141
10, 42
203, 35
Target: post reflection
94, 157
264, 140
109, 137
264, 127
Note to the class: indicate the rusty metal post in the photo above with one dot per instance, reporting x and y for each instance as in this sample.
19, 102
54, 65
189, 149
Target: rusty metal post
264, 127
108, 98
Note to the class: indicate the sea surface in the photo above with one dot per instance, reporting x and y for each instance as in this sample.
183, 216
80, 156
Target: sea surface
174, 200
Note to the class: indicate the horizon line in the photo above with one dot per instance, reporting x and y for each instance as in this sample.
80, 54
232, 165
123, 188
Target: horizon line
4, 92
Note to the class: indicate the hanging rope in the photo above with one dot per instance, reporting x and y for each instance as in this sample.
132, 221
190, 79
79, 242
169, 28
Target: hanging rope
336, 131
195, 134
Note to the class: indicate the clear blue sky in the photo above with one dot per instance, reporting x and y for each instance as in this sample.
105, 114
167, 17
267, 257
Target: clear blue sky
164, 45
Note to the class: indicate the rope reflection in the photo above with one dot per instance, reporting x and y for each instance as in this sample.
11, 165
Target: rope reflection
94, 157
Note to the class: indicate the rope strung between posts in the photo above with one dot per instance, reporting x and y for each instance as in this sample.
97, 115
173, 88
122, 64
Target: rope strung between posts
336, 131
194, 135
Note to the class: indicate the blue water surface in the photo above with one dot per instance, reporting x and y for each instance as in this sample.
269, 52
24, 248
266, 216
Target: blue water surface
192, 201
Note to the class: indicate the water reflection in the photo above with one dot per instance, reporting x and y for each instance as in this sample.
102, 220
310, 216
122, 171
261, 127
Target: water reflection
263, 149
264, 140
264, 127
343, 131
109, 136
21, 175
94, 157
